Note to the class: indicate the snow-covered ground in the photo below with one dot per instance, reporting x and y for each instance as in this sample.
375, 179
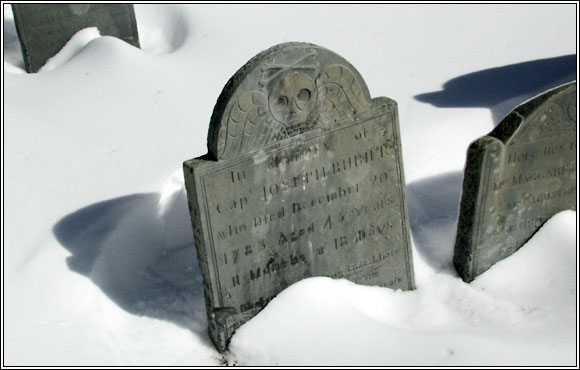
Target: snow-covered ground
99, 266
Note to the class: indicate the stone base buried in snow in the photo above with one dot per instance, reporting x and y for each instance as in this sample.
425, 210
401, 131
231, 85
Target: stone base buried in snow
510, 313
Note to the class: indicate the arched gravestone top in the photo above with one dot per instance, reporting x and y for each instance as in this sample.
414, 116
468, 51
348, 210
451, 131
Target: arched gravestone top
303, 177
286, 90
517, 177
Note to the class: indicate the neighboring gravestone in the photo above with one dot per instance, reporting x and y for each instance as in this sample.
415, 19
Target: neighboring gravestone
304, 177
516, 178
44, 29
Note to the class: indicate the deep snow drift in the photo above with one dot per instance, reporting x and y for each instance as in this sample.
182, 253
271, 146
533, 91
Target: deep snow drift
516, 313
99, 265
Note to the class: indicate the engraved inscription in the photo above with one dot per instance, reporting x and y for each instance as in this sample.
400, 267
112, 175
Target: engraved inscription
303, 177
281, 225
512, 188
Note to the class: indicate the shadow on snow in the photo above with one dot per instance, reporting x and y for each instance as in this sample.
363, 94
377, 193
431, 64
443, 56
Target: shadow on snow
433, 211
140, 252
434, 202
501, 89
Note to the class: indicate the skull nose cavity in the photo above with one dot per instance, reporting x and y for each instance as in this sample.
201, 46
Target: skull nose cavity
294, 106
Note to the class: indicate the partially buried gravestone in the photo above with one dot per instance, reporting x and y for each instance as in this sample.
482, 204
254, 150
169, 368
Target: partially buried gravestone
304, 177
516, 178
44, 29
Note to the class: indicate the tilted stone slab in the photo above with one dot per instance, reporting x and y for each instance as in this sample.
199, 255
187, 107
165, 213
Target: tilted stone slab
304, 177
516, 178
44, 29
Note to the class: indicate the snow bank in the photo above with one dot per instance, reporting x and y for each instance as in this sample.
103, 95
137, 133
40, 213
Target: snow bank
74, 46
509, 315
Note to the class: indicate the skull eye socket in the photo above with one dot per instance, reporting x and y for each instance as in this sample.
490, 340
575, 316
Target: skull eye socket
304, 95
282, 100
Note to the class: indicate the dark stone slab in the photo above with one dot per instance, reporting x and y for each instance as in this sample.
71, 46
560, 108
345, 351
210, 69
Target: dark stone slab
516, 178
44, 29
304, 177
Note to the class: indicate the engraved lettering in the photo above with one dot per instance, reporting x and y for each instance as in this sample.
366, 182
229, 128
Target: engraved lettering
238, 175
553, 149
268, 218
296, 155
380, 179
328, 223
526, 172
293, 236
233, 205
360, 134
520, 157
235, 280
340, 242
498, 185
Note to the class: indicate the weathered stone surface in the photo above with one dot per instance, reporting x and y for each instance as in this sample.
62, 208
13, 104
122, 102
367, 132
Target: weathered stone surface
304, 177
516, 178
43, 29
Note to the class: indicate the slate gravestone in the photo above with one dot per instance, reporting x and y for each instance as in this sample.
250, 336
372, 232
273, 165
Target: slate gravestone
516, 178
44, 29
304, 177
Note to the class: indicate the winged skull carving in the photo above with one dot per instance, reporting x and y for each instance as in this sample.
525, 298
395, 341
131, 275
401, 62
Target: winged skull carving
256, 120
249, 125
340, 94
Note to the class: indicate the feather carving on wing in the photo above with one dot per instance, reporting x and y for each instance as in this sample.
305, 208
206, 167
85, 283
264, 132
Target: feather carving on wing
340, 94
250, 125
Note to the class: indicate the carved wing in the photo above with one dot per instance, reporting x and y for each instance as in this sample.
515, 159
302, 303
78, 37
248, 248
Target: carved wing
340, 94
249, 125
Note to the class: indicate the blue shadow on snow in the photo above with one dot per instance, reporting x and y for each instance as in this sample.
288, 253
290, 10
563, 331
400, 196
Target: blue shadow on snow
140, 255
502, 88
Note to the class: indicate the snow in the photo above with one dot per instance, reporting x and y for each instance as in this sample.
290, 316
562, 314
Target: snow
72, 48
495, 321
99, 266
